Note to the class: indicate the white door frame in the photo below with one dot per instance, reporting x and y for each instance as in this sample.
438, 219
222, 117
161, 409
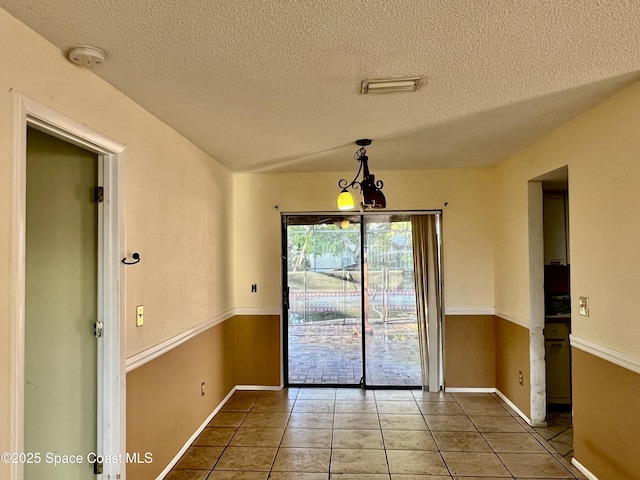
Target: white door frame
111, 354
537, 367
538, 374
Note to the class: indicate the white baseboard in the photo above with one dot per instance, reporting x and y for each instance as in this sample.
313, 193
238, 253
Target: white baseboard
468, 390
175, 459
490, 390
260, 387
583, 470
191, 439
513, 407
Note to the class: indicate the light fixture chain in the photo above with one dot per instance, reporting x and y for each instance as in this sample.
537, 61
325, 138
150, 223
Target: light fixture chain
360, 153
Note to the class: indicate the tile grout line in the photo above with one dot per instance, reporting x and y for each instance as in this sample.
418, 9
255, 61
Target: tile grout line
481, 435
224, 449
444, 462
485, 438
384, 443
333, 429
531, 432
286, 425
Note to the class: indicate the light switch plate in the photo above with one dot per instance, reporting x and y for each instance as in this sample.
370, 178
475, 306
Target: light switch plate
139, 315
583, 304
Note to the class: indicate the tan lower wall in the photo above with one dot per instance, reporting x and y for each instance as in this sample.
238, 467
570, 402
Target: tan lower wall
258, 353
512, 357
164, 404
470, 351
606, 409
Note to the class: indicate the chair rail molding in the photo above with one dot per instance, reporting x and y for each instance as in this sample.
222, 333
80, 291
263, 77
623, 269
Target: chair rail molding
624, 360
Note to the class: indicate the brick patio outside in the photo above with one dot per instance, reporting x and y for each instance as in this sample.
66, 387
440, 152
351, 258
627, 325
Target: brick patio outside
331, 353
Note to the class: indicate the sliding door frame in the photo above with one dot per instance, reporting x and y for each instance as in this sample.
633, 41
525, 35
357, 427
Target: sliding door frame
439, 355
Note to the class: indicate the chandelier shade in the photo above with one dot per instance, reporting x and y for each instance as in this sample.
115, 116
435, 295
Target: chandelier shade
345, 200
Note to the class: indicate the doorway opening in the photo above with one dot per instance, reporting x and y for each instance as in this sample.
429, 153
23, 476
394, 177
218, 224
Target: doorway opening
554, 303
107, 367
61, 353
350, 306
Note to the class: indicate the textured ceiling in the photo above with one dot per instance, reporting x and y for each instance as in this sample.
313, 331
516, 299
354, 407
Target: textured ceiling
274, 85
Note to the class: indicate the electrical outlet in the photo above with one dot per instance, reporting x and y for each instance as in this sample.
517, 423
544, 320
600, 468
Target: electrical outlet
202, 389
583, 304
520, 378
254, 288
139, 315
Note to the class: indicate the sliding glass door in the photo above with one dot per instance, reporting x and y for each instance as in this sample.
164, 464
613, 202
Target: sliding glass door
392, 355
324, 314
350, 301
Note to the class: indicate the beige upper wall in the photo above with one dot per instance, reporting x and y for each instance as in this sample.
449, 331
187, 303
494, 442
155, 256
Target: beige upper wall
467, 226
178, 200
602, 149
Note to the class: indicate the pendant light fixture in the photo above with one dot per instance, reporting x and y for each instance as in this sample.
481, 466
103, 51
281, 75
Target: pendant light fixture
370, 188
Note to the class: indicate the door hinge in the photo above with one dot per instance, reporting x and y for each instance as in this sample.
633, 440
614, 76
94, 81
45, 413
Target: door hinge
98, 329
97, 467
98, 194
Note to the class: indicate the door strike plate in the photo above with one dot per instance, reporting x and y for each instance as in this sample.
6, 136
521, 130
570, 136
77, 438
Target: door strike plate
98, 329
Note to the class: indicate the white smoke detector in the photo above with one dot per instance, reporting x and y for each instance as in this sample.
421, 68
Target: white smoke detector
86, 56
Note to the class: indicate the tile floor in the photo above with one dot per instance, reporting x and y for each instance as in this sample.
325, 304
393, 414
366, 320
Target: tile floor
559, 433
315, 433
